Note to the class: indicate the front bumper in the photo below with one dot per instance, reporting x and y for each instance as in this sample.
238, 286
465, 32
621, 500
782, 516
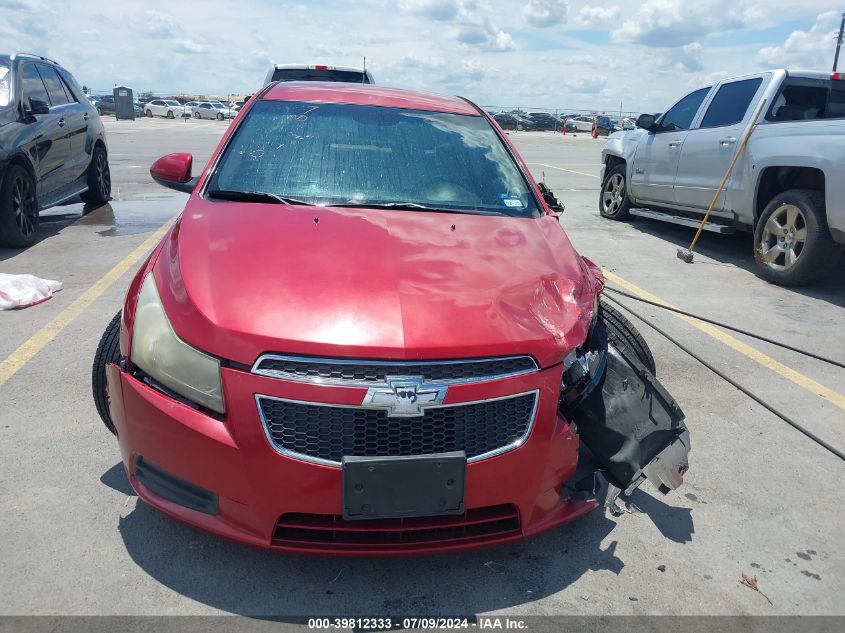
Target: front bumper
270, 500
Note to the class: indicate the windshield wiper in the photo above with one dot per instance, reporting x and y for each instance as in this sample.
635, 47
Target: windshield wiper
254, 196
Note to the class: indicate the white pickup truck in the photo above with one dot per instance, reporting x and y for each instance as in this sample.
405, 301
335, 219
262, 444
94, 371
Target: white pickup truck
788, 185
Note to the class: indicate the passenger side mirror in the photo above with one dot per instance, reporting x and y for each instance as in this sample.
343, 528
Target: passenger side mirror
174, 172
37, 106
646, 122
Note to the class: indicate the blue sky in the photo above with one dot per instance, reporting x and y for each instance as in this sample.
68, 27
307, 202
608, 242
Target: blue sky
530, 53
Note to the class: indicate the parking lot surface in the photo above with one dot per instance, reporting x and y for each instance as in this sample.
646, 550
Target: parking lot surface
760, 498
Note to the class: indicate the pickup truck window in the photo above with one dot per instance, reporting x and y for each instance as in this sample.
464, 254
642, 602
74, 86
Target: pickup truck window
804, 99
680, 116
731, 103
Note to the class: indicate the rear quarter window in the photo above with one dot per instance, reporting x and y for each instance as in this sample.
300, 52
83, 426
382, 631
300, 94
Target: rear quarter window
804, 99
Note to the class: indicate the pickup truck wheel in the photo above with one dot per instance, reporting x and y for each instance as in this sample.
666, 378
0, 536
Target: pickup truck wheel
613, 199
792, 243
617, 324
108, 352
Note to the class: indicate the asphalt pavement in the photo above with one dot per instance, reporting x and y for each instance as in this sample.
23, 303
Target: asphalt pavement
760, 498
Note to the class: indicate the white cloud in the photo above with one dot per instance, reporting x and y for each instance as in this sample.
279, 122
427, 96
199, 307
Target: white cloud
598, 15
806, 49
587, 85
442, 10
668, 23
546, 13
158, 25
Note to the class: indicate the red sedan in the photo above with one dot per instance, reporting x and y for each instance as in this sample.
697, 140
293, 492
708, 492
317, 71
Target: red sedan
367, 333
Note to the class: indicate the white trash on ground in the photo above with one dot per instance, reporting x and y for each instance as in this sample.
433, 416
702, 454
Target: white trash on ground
20, 291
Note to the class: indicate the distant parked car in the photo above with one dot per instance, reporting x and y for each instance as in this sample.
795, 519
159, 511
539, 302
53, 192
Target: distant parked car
52, 145
605, 126
104, 105
301, 72
213, 110
188, 108
169, 108
583, 123
506, 121
544, 121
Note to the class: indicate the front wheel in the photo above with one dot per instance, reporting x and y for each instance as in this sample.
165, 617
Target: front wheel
170, 114
792, 242
196, 115
99, 179
613, 199
108, 353
149, 114
620, 327
219, 117
18, 208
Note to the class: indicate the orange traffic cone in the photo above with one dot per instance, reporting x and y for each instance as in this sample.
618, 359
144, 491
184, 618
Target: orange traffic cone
595, 129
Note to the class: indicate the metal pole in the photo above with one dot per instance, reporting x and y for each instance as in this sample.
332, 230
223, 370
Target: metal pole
838, 43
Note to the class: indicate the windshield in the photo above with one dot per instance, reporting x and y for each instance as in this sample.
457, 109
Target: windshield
332, 153
5, 84
315, 74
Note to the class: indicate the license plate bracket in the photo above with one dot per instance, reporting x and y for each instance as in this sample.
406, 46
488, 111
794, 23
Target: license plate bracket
402, 487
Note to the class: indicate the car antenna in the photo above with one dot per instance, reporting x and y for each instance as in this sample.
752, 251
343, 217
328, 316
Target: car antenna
364, 74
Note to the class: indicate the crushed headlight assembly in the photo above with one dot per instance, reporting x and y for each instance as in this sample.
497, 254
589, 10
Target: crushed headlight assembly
167, 359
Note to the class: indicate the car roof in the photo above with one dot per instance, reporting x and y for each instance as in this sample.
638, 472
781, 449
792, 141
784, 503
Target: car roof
366, 94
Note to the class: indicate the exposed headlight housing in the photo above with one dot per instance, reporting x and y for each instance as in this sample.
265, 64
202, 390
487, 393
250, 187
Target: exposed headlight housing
158, 351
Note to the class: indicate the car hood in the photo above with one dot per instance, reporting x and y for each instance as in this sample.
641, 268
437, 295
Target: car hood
240, 279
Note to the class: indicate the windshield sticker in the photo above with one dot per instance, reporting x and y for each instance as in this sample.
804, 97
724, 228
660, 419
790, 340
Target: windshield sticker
512, 202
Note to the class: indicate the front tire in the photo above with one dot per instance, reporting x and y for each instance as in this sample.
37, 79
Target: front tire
197, 116
613, 199
792, 242
18, 208
170, 114
108, 353
618, 325
99, 179
219, 117
149, 114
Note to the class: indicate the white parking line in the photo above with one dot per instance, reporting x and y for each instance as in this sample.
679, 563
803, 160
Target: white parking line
571, 171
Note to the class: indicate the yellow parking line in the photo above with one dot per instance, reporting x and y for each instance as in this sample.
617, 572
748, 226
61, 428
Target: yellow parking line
42, 337
571, 171
766, 361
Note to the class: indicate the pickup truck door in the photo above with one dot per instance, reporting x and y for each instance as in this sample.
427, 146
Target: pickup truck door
710, 146
658, 152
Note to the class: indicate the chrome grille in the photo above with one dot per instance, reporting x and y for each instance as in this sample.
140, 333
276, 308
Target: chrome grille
326, 433
366, 373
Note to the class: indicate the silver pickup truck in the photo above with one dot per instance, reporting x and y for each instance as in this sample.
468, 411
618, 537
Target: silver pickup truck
788, 186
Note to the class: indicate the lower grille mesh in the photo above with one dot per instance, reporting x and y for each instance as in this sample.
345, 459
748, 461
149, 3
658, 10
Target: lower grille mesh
327, 531
329, 433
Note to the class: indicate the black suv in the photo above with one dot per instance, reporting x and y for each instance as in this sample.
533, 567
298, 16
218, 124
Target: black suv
52, 145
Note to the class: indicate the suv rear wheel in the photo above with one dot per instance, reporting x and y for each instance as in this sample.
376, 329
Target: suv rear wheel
18, 208
613, 199
792, 243
99, 179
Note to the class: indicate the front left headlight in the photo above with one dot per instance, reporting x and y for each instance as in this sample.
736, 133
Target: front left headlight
159, 352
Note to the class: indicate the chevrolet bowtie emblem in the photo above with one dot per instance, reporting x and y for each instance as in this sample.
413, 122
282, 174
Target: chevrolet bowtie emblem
405, 396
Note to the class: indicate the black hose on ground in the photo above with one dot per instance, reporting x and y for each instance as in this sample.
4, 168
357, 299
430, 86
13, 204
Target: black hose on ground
732, 382
759, 337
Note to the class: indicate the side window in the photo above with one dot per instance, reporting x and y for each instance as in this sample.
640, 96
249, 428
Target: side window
71, 88
731, 103
680, 116
33, 87
806, 100
55, 88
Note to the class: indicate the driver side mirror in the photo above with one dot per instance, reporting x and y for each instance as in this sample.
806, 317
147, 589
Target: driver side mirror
551, 200
36, 106
174, 172
646, 122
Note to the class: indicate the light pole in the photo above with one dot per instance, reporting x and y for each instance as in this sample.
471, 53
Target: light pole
838, 43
